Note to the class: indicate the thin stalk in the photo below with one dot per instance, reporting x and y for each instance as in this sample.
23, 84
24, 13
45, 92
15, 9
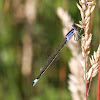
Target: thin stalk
98, 85
90, 82
85, 76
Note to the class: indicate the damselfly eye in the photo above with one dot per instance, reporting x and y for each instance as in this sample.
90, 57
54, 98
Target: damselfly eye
75, 26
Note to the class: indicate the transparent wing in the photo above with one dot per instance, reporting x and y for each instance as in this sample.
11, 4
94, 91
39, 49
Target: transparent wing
50, 60
53, 56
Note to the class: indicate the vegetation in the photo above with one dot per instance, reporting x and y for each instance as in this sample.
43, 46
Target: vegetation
30, 31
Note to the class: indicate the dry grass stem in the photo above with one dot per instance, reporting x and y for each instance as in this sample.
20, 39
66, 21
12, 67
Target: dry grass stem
76, 82
65, 17
86, 11
86, 8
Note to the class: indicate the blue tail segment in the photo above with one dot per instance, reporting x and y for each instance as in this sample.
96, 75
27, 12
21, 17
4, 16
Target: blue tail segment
35, 81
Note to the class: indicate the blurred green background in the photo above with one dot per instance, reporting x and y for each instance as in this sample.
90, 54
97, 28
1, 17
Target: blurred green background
30, 31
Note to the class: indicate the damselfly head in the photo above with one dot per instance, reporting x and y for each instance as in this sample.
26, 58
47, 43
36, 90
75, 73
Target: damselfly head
75, 26
78, 32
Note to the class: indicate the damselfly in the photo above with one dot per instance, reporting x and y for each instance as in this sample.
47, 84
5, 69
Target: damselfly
50, 60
